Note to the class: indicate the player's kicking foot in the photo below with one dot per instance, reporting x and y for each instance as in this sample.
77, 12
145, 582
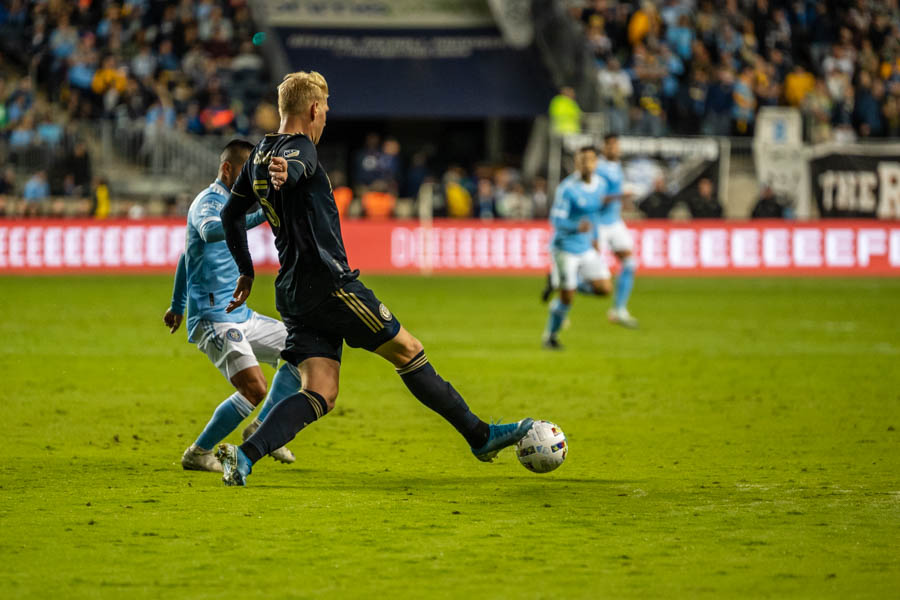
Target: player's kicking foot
198, 459
622, 317
281, 455
235, 464
547, 291
551, 343
501, 437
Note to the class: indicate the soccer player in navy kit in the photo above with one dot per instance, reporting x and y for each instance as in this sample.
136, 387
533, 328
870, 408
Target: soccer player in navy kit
321, 300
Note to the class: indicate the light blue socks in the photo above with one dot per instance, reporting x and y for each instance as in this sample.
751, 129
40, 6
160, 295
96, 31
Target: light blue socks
558, 314
286, 382
625, 282
225, 419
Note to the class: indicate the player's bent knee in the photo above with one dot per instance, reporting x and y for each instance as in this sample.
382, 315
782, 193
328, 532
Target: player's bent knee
254, 391
413, 346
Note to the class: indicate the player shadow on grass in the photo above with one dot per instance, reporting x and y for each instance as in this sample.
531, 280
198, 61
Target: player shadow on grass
390, 482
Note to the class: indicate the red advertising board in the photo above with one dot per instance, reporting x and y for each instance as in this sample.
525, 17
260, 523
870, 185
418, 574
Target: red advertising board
832, 247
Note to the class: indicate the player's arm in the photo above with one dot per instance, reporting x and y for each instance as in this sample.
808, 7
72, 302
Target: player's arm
234, 223
297, 161
212, 230
175, 313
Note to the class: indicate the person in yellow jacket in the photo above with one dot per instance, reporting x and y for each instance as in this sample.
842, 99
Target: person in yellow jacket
100, 208
565, 114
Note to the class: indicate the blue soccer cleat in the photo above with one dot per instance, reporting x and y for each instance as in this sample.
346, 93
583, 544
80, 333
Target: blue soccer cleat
502, 436
235, 464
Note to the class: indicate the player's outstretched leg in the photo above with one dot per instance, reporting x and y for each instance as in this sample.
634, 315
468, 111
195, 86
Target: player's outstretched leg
436, 393
227, 416
619, 313
559, 310
286, 382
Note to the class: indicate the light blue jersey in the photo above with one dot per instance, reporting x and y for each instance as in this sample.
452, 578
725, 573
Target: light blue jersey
575, 201
207, 274
612, 173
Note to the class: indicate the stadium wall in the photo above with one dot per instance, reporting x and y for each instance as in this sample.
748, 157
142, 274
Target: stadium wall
708, 247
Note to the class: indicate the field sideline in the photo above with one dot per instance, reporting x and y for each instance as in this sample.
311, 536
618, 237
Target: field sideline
743, 443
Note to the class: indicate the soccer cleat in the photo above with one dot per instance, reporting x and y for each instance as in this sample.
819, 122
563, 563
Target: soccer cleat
552, 343
621, 316
547, 291
235, 464
502, 436
281, 455
198, 459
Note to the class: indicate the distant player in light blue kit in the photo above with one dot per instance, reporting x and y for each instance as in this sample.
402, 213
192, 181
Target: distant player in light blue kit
612, 232
205, 279
573, 251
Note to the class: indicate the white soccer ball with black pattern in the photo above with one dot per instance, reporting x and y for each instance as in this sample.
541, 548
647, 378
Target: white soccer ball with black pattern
543, 448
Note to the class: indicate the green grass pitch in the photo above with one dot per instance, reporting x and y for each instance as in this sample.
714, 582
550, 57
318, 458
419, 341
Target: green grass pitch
743, 443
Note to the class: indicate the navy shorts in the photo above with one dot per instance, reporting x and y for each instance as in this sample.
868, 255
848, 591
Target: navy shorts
351, 313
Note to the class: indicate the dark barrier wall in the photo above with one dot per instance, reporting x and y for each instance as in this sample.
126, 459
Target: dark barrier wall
461, 73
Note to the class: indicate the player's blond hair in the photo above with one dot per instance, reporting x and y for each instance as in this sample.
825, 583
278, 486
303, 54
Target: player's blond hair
299, 90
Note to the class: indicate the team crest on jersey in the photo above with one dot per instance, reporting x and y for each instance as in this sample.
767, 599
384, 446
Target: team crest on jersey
384, 312
234, 335
291, 153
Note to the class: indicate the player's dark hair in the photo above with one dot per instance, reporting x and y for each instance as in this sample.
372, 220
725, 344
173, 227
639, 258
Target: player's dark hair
610, 136
588, 148
235, 150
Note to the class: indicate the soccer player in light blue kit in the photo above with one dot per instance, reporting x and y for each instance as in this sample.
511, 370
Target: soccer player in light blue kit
574, 255
205, 279
612, 232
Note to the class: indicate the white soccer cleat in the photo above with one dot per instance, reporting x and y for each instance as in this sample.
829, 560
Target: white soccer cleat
282, 455
198, 459
622, 317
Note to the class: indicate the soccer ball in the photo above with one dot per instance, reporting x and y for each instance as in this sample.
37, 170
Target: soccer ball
543, 448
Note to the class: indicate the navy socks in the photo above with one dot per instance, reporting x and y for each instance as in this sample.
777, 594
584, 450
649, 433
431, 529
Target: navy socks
285, 421
438, 395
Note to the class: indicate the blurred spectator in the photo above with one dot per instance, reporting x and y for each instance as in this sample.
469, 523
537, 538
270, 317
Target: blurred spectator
770, 206
484, 199
35, 193
705, 205
389, 165
459, 200
616, 88
540, 199
416, 174
366, 162
565, 114
719, 105
100, 207
658, 204
515, 204
744, 102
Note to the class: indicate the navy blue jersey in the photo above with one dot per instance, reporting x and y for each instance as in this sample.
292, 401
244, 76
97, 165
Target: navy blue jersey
303, 217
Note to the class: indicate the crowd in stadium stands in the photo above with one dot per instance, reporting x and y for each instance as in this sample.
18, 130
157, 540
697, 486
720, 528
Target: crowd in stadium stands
379, 175
188, 65
699, 66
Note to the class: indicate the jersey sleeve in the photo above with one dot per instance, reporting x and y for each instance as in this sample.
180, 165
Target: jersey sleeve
560, 213
302, 158
204, 217
179, 287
